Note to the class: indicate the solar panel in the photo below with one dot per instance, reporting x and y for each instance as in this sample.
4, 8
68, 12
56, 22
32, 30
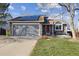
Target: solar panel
27, 18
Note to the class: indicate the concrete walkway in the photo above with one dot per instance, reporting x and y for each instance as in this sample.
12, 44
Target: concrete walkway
18, 48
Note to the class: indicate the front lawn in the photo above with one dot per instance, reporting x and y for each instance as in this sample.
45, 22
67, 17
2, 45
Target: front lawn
56, 47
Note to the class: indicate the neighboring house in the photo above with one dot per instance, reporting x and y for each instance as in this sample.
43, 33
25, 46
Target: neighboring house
36, 26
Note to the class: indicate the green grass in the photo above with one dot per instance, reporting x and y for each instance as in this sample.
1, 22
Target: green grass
56, 47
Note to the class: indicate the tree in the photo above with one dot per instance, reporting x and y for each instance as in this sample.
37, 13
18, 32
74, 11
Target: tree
4, 15
71, 8
3, 8
46, 9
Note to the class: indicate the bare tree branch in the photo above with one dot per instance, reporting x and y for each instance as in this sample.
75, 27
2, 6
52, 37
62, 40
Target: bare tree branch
59, 14
76, 9
71, 8
66, 6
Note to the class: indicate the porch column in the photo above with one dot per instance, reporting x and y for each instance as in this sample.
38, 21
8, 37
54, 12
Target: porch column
40, 30
52, 30
65, 29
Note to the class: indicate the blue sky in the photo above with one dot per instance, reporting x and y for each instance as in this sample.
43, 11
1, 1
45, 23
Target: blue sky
20, 9
17, 9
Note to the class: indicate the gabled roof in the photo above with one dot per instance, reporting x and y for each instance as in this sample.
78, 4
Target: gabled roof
28, 18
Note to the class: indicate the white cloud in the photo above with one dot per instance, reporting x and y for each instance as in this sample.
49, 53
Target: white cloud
44, 5
58, 6
54, 5
11, 7
44, 10
39, 4
23, 8
48, 5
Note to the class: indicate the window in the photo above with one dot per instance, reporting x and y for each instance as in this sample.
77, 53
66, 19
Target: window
58, 27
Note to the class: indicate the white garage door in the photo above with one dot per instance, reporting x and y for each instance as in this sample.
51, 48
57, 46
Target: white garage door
29, 30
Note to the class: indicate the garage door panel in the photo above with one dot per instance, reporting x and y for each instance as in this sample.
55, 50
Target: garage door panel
26, 30
18, 30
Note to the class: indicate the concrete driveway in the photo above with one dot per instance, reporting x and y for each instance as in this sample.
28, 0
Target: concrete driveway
17, 48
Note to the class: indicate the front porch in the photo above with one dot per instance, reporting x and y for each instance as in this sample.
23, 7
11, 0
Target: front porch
54, 29
47, 29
